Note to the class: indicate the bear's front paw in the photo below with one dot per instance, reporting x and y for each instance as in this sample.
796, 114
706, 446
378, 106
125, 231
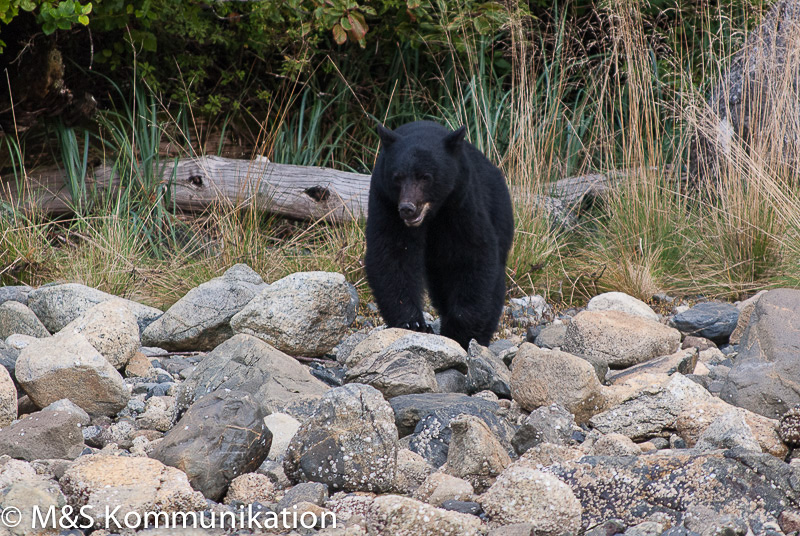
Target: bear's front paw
420, 326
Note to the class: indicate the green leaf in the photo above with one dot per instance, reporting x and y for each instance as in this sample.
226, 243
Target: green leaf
64, 24
345, 22
87, 9
27, 5
48, 27
83, 19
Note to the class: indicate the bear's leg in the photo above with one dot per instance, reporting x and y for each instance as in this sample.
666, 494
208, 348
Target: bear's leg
473, 309
395, 271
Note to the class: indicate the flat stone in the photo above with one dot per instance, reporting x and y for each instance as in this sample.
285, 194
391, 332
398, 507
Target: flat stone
440, 487
28, 496
410, 409
395, 373
200, 320
546, 424
475, 454
250, 488
283, 427
451, 381
683, 361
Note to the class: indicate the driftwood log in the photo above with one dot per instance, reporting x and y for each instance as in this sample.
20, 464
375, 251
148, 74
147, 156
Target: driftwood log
197, 184
300, 192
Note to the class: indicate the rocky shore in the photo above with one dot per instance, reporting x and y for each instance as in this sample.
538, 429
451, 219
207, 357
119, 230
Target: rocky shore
254, 408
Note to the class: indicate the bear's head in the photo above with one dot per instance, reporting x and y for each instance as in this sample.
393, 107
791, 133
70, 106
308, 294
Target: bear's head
419, 168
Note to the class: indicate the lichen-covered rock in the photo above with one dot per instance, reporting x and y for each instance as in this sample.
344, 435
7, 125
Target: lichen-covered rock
410, 409
350, 443
475, 454
160, 413
111, 328
392, 515
245, 363
542, 377
18, 318
619, 339
522, 494
754, 486
250, 488
135, 484
220, 437
58, 305
68, 366
619, 301
200, 320
305, 313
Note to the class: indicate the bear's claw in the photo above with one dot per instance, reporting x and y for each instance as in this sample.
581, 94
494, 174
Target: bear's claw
422, 327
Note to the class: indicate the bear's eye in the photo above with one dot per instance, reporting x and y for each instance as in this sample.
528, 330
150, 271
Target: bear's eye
427, 177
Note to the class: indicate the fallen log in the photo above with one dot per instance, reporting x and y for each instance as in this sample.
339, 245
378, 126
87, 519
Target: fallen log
196, 184
299, 192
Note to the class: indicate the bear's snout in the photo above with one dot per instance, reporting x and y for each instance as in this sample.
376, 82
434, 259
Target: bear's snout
412, 215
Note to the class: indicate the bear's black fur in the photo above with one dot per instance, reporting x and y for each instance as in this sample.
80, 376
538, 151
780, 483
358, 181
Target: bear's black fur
439, 213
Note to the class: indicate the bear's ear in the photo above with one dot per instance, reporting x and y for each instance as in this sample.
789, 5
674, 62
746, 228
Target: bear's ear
454, 139
387, 136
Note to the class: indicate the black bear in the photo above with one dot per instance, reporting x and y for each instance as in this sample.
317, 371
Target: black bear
439, 213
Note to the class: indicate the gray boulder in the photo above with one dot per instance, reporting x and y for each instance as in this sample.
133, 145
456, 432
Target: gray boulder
58, 305
246, 363
350, 443
53, 432
18, 318
200, 320
306, 313
712, 320
220, 437
619, 339
552, 336
763, 377
68, 366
